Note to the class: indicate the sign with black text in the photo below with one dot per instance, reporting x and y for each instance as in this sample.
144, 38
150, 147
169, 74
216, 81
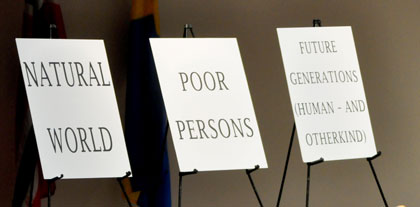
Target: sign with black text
209, 107
326, 92
73, 107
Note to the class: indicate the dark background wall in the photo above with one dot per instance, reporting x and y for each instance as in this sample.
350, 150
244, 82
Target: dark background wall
10, 25
387, 40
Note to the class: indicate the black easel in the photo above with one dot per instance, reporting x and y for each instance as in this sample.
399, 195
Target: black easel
376, 178
317, 23
248, 172
308, 177
128, 173
49, 181
308, 174
52, 27
195, 171
189, 28
182, 174
287, 164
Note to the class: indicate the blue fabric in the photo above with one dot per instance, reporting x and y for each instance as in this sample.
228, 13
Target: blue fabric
146, 122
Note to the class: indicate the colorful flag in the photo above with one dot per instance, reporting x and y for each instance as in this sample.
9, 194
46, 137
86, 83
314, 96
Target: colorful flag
30, 185
146, 122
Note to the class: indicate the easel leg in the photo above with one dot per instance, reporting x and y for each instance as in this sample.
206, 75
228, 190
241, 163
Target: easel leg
127, 174
376, 177
315, 22
182, 174
308, 181
248, 172
49, 194
179, 190
124, 192
308, 177
49, 187
286, 164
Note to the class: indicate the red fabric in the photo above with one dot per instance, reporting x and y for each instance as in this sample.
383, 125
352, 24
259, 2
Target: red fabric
42, 188
51, 14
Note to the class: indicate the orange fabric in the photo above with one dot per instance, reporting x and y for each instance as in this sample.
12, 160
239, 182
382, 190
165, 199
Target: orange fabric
132, 196
142, 8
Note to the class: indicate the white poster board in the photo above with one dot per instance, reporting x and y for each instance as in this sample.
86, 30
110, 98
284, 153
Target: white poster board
73, 107
326, 92
209, 107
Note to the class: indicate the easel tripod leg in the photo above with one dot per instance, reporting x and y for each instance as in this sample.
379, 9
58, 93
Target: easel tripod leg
286, 164
127, 174
49, 187
182, 174
376, 177
308, 181
248, 172
49, 194
179, 190
308, 177
124, 192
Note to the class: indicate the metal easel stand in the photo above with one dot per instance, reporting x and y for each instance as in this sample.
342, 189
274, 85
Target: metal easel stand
188, 27
182, 174
308, 177
315, 23
128, 173
286, 164
49, 182
322, 160
195, 171
248, 173
376, 178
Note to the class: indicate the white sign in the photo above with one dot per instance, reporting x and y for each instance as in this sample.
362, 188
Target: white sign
73, 106
326, 91
209, 107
